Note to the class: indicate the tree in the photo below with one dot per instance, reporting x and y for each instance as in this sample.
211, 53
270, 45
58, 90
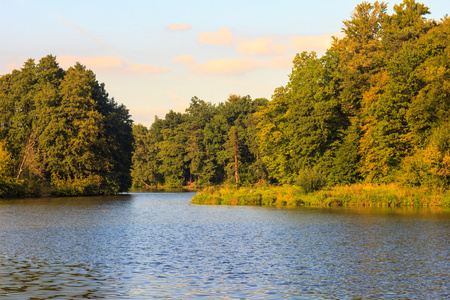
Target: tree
119, 142
74, 138
396, 96
272, 142
300, 128
6, 180
63, 133
145, 165
171, 150
369, 109
359, 55
199, 158
406, 24
236, 154
256, 170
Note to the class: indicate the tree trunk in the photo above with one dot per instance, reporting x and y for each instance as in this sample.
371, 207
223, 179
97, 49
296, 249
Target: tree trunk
146, 185
236, 153
236, 174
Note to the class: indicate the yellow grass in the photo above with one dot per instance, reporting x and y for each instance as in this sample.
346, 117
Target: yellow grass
354, 195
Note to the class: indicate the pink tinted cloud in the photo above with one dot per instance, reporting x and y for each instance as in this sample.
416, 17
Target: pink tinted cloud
92, 62
261, 46
145, 68
221, 37
178, 27
110, 63
318, 43
183, 59
178, 101
282, 62
146, 117
230, 66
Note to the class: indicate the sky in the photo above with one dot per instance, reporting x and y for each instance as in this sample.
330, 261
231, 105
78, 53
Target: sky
155, 55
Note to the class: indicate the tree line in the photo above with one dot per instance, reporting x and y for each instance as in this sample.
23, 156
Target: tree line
374, 108
60, 134
208, 144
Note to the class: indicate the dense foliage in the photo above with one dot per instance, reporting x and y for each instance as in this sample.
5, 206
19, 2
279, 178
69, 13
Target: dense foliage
367, 195
60, 133
370, 108
206, 145
375, 108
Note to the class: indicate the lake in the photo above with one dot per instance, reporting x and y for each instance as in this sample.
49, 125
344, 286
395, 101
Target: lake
159, 246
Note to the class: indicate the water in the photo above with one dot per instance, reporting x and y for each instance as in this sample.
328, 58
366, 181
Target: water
159, 246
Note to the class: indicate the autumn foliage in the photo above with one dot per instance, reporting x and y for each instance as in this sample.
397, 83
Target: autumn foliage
374, 109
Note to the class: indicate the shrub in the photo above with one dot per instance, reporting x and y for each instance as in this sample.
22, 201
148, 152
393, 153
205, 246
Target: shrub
430, 166
310, 180
91, 185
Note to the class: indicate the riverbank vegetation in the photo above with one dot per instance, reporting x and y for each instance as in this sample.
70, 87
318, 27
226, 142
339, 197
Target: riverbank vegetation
368, 195
60, 134
373, 111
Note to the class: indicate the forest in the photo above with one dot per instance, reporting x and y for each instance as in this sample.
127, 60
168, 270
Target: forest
60, 134
375, 108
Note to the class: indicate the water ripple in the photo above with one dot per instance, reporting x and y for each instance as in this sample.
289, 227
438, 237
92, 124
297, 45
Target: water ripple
159, 246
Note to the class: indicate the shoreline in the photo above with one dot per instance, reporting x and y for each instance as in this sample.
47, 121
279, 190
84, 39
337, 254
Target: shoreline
362, 195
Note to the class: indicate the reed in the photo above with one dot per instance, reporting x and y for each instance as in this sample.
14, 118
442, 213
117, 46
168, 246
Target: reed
369, 195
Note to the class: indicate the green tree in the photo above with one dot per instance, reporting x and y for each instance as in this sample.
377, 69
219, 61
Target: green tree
171, 150
236, 155
145, 165
391, 101
431, 106
72, 139
64, 135
199, 158
215, 134
118, 134
406, 24
271, 122
359, 53
257, 170
7, 182
301, 127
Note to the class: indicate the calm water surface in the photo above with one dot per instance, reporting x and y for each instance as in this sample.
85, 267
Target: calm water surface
159, 246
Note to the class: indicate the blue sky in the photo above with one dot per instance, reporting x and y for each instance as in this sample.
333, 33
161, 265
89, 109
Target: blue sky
154, 56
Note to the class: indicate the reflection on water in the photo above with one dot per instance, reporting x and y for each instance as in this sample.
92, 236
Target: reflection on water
144, 246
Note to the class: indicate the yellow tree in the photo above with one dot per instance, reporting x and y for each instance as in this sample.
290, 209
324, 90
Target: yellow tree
6, 180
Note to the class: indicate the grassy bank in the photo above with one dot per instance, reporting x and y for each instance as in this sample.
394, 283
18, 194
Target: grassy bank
354, 195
